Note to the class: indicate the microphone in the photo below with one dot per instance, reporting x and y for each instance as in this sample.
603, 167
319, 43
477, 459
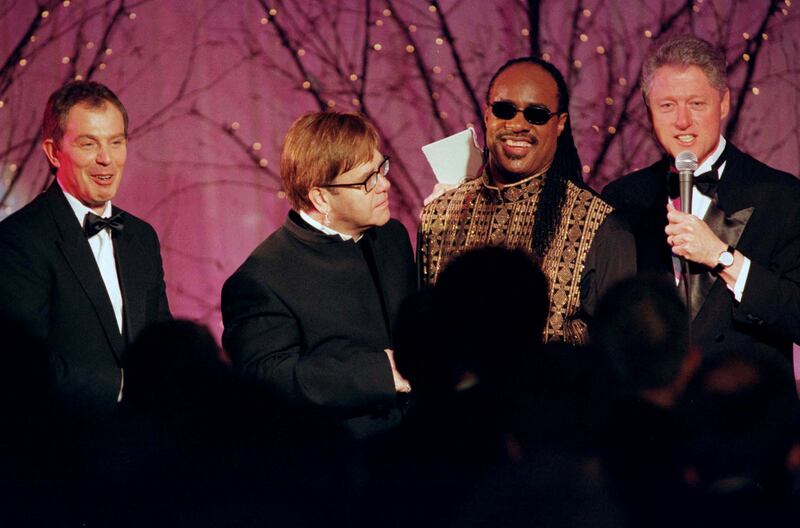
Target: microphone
686, 163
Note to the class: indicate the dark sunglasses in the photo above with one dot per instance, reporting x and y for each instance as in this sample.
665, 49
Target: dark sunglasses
534, 114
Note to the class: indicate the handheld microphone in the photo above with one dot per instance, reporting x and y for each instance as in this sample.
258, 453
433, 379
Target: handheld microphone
686, 163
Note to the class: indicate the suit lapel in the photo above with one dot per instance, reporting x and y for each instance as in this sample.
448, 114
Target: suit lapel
731, 194
729, 229
78, 255
727, 217
127, 250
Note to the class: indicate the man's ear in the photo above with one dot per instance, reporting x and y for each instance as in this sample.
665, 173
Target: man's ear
562, 122
51, 151
725, 104
319, 199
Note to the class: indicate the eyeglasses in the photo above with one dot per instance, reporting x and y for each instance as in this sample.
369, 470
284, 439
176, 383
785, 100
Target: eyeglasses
372, 180
534, 114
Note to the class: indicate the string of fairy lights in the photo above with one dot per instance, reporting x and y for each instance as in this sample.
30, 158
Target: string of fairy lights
378, 46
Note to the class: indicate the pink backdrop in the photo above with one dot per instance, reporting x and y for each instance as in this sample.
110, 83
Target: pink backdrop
212, 86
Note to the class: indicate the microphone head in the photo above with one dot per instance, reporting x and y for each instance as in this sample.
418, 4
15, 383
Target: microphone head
686, 161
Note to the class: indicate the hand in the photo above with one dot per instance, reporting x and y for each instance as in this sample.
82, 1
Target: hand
692, 239
400, 383
438, 190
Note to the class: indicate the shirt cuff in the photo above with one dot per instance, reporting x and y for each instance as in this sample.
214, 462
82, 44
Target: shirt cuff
738, 288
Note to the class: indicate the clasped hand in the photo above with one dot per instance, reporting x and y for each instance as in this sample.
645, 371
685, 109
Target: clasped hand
400, 383
691, 238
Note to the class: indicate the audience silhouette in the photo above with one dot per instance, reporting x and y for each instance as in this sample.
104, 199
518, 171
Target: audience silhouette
500, 429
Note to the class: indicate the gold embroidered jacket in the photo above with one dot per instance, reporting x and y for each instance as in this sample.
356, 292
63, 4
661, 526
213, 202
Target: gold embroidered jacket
478, 214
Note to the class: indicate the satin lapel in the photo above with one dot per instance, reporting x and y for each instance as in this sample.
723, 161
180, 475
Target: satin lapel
127, 250
728, 227
75, 248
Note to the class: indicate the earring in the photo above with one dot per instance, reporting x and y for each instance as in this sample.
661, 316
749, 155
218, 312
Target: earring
327, 220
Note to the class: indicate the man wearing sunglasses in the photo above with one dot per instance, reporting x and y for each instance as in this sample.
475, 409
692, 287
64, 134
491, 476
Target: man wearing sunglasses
531, 195
743, 236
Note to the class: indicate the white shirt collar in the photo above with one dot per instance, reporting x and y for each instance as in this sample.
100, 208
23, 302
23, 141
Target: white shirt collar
80, 210
709, 162
325, 229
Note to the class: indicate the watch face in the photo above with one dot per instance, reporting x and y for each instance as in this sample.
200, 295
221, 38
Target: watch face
726, 258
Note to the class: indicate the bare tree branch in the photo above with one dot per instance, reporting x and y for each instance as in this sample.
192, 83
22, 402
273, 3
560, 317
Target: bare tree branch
423, 69
632, 92
462, 74
533, 27
286, 42
13, 59
754, 47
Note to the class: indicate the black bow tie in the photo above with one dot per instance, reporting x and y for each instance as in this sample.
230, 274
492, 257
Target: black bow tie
94, 224
707, 182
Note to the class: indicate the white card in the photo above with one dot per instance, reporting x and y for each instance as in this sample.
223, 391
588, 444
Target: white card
454, 158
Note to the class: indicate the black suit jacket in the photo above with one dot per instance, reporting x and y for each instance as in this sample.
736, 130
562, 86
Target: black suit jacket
757, 210
305, 316
50, 282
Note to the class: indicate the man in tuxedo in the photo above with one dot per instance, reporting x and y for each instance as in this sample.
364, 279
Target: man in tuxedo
742, 239
81, 275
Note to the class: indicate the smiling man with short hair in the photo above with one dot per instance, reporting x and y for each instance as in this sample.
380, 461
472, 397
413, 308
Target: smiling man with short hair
743, 236
79, 273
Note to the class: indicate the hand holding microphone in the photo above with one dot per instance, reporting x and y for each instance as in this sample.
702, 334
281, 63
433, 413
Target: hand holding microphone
690, 237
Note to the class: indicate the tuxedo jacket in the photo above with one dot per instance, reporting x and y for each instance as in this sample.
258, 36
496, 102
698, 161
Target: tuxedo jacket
756, 210
306, 317
50, 282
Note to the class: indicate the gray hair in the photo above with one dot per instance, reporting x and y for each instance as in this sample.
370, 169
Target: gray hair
684, 51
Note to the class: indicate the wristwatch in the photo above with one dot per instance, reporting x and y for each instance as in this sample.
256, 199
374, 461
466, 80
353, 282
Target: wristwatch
725, 260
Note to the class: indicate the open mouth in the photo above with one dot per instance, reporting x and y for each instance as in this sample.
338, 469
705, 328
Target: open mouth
686, 139
103, 178
517, 146
517, 143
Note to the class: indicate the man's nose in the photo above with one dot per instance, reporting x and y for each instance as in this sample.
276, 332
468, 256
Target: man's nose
383, 183
683, 118
518, 121
103, 155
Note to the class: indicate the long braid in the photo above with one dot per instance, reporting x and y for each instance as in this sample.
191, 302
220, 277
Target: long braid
566, 167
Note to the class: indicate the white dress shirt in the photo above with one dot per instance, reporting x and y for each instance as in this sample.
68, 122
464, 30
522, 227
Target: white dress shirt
103, 251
